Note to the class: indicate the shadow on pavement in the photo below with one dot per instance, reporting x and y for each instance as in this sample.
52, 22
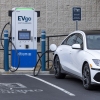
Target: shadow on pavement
95, 87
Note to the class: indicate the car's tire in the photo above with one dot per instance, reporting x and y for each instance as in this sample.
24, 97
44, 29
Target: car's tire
86, 77
57, 69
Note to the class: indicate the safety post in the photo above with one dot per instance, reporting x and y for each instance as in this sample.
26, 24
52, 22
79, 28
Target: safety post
43, 44
6, 44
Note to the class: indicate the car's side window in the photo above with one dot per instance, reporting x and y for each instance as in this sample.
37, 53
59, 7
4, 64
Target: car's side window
70, 40
64, 42
79, 39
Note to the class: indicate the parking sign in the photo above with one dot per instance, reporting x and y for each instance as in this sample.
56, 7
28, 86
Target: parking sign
76, 13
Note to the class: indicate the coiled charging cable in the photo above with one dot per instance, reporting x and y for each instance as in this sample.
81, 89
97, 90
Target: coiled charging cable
12, 70
41, 63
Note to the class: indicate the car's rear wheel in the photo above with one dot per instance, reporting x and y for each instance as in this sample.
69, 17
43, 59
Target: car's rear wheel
57, 69
86, 77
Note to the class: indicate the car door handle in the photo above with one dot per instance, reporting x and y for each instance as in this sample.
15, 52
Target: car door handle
70, 52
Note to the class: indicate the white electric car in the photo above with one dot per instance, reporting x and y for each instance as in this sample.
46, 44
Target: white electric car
79, 55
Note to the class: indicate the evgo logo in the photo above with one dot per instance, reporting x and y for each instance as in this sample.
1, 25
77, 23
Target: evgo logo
24, 18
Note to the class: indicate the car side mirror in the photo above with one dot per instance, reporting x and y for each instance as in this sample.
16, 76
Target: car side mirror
76, 46
53, 47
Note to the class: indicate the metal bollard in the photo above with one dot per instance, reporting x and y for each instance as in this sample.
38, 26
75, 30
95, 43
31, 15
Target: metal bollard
43, 46
6, 44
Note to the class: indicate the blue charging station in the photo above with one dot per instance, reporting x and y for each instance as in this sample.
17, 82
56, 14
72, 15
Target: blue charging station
24, 37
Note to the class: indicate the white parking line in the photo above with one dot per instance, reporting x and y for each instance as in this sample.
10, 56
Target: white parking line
55, 86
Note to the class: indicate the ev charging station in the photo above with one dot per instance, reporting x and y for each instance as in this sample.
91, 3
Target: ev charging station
24, 37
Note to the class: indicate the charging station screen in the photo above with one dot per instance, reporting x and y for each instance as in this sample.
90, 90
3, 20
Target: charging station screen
24, 35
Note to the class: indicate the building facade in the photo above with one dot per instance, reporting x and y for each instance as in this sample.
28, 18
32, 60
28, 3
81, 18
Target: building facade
55, 16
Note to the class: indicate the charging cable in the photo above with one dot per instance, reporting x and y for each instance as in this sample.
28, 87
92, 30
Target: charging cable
12, 70
41, 63
2, 33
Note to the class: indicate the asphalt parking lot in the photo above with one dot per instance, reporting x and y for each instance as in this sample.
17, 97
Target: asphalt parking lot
44, 87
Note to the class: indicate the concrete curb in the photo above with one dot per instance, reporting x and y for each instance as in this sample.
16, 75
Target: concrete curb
2, 72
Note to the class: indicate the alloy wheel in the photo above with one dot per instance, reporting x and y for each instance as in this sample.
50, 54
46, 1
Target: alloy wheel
56, 65
86, 77
57, 69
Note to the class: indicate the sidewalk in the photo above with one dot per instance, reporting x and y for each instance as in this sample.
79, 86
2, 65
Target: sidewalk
23, 72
